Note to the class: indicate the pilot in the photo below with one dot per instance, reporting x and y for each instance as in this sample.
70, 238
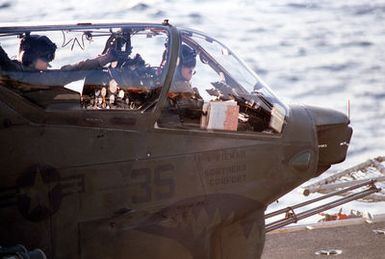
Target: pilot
182, 95
184, 72
37, 51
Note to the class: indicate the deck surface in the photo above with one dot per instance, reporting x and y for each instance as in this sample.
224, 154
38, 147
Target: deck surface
354, 237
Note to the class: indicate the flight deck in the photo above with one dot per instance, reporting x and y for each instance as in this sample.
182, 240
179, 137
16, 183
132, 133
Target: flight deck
349, 238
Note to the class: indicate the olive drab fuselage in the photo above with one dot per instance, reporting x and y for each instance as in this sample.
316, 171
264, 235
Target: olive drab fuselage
88, 175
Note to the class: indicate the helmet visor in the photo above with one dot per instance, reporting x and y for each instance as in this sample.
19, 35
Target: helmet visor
188, 59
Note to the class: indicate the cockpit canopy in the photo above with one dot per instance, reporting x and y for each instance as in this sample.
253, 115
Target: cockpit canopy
218, 91
124, 67
79, 79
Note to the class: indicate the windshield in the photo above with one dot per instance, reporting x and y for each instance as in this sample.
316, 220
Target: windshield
229, 62
213, 89
243, 79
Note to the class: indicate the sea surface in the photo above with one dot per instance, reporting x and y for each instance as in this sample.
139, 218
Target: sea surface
325, 52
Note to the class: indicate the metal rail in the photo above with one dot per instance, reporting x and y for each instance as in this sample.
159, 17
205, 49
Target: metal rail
333, 186
376, 162
292, 217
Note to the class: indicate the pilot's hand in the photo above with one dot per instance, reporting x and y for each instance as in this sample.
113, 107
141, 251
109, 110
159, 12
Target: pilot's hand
110, 56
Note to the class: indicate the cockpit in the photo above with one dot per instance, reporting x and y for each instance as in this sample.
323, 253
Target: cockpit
226, 94
76, 80
130, 68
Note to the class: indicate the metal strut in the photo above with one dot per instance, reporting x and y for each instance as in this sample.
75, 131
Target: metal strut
292, 217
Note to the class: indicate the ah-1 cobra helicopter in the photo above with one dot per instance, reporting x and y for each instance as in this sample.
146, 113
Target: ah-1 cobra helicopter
113, 162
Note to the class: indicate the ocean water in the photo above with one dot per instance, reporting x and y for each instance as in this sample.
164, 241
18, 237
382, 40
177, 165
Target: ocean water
320, 52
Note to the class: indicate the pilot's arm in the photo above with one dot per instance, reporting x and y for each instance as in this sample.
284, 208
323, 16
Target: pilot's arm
61, 77
91, 64
79, 70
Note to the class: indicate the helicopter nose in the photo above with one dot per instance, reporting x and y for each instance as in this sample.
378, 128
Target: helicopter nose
333, 133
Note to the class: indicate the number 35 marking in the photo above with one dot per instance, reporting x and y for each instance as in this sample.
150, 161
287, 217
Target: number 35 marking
155, 185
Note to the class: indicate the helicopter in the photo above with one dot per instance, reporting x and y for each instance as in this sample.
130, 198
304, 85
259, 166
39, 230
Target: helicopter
113, 161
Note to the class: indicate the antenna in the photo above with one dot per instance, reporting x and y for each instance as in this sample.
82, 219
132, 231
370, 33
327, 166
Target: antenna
349, 108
